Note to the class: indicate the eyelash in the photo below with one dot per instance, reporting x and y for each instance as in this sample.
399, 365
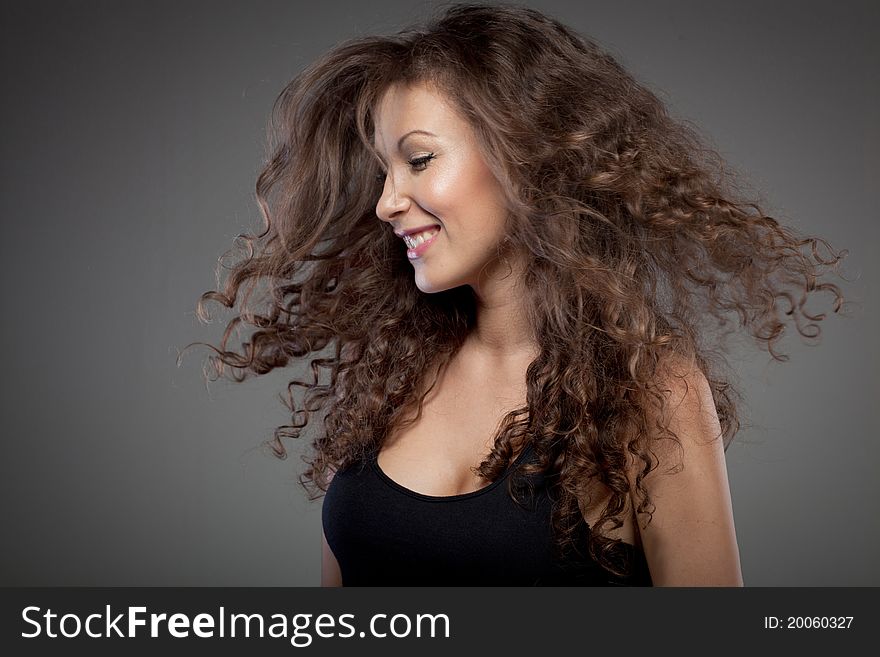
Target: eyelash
415, 162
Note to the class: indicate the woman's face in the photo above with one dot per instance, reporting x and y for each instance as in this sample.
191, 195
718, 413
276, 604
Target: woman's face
438, 180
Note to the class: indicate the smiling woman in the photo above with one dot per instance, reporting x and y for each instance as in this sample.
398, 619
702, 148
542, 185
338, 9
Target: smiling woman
437, 177
518, 259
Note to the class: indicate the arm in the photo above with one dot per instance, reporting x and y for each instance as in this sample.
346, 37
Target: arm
691, 540
330, 573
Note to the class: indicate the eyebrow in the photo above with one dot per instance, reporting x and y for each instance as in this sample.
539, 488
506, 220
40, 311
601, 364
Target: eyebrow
413, 132
408, 134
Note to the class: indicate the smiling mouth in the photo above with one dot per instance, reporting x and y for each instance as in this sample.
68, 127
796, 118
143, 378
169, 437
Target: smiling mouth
413, 241
418, 244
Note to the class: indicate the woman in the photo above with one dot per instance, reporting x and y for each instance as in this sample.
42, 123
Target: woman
518, 258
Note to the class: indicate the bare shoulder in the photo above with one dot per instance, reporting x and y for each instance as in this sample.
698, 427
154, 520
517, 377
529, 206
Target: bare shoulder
689, 407
690, 540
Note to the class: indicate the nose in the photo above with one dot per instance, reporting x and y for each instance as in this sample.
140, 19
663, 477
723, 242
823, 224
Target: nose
393, 202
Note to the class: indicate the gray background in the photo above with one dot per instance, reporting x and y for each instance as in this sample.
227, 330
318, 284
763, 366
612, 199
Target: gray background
132, 134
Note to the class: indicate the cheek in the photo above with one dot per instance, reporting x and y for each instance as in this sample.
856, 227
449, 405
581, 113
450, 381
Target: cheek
441, 197
457, 194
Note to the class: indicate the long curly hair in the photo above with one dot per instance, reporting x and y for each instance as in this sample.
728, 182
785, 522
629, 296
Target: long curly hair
640, 248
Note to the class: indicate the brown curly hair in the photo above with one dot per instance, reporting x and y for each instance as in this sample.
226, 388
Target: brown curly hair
638, 250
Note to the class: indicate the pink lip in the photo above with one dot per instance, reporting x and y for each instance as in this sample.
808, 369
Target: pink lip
417, 252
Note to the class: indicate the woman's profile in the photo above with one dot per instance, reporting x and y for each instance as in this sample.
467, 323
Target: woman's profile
522, 270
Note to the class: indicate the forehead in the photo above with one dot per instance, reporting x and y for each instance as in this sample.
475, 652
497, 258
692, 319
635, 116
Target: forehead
402, 108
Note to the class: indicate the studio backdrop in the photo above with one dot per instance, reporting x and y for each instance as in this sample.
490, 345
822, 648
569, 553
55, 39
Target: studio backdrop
132, 136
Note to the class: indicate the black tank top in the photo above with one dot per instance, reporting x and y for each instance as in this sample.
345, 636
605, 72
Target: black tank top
384, 534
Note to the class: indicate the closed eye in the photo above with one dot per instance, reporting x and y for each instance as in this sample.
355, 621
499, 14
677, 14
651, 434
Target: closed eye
417, 164
421, 163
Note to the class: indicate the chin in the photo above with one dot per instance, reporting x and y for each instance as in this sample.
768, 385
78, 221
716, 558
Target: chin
432, 285
428, 287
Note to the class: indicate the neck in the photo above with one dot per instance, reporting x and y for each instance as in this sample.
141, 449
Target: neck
502, 329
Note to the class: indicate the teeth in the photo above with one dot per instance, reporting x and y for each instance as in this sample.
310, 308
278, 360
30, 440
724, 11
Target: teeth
412, 241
